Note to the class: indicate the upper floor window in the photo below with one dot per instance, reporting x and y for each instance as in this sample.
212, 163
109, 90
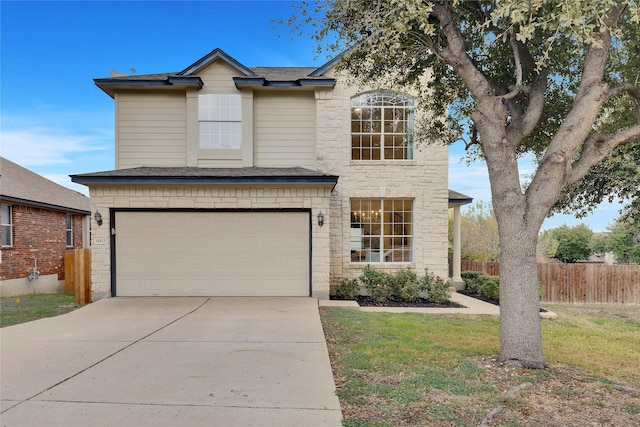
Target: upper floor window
69, 225
220, 121
381, 230
7, 225
382, 126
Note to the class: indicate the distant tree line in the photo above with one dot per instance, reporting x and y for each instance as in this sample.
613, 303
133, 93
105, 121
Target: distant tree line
480, 241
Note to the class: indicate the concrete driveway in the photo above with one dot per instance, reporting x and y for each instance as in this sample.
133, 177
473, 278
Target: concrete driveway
171, 362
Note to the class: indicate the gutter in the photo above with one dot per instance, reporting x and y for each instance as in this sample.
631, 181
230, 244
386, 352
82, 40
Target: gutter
43, 205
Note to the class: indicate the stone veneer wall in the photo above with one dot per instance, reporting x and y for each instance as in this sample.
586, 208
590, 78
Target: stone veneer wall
423, 179
206, 196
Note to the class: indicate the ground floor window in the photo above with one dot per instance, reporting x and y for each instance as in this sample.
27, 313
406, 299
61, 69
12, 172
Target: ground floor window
381, 230
7, 226
69, 224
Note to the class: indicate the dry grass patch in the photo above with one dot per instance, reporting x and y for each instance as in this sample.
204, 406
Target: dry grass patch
428, 370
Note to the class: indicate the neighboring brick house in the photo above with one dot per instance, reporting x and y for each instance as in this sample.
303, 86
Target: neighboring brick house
265, 181
41, 220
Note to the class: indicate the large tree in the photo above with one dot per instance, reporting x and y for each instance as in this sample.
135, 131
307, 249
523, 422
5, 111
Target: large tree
539, 76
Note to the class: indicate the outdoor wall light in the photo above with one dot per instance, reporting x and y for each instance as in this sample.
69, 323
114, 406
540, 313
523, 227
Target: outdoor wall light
98, 218
320, 219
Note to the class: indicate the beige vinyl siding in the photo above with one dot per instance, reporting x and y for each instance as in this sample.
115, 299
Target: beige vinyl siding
218, 78
219, 163
151, 129
285, 130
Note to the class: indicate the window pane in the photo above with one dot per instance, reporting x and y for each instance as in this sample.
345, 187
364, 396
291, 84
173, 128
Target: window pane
220, 121
381, 230
69, 225
6, 235
220, 134
388, 117
375, 141
7, 228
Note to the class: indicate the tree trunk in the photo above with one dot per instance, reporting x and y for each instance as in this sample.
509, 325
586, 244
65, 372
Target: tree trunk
519, 220
520, 327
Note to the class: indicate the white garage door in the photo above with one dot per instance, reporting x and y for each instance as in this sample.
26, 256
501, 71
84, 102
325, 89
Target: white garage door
212, 253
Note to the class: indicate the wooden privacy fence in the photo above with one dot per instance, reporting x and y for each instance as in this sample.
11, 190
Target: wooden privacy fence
579, 283
77, 274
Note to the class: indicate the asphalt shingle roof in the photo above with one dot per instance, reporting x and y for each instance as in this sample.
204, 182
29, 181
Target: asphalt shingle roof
18, 184
207, 175
459, 198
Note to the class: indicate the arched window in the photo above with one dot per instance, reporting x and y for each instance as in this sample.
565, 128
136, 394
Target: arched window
382, 126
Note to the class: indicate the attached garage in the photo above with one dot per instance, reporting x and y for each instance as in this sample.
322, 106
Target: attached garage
196, 231
212, 253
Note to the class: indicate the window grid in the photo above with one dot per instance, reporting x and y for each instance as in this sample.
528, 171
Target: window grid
7, 225
69, 226
381, 126
220, 121
381, 230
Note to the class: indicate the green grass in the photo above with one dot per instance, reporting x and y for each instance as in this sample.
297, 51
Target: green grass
25, 308
413, 369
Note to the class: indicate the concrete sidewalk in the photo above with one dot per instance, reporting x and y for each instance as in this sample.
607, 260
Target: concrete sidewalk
471, 306
171, 362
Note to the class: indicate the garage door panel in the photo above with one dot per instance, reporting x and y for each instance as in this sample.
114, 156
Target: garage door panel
212, 253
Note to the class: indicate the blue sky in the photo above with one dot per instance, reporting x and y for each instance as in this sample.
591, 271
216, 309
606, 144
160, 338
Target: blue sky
56, 122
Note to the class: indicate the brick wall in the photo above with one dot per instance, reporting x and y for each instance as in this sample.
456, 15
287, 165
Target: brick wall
41, 234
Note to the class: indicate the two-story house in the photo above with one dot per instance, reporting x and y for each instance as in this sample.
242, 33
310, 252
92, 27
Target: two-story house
266, 181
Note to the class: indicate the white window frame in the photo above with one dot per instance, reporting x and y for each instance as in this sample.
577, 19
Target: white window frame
378, 120
219, 121
68, 221
7, 226
381, 230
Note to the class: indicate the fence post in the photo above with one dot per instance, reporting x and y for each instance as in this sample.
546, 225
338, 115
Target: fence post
82, 273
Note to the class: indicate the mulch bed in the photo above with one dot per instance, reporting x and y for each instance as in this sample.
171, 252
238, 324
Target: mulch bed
365, 301
489, 300
480, 297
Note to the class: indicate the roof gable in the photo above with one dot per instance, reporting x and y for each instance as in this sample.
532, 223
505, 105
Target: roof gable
20, 185
326, 67
212, 56
257, 77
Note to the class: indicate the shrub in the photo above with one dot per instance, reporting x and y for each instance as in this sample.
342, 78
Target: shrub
376, 282
491, 289
348, 288
404, 284
435, 289
473, 280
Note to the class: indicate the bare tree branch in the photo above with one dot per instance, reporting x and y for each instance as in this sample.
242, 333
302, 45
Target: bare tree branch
597, 54
631, 90
517, 88
597, 147
456, 55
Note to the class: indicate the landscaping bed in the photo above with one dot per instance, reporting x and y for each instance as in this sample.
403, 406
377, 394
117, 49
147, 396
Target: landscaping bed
365, 301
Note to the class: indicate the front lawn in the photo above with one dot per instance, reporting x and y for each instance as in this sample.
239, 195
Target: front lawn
441, 370
24, 308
